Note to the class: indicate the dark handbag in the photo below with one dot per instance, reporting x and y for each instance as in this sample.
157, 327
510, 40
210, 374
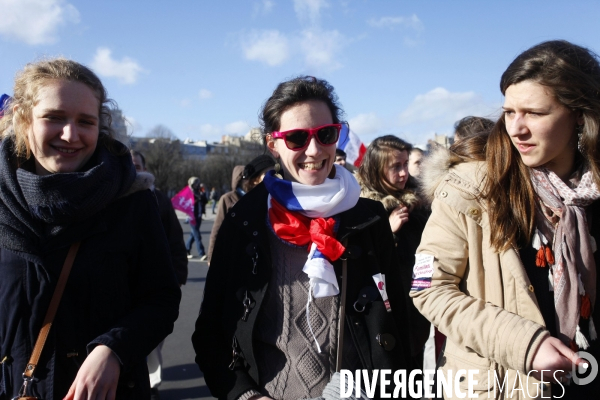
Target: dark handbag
48, 319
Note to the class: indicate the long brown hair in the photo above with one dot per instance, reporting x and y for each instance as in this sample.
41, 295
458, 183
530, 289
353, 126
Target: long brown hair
572, 74
375, 161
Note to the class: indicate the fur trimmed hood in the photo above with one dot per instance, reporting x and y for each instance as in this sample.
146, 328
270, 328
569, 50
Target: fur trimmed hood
409, 197
439, 163
433, 170
143, 181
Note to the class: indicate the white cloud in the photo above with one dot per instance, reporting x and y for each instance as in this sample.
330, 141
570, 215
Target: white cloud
366, 124
263, 7
210, 130
185, 102
205, 94
270, 47
237, 128
126, 71
309, 10
412, 22
443, 107
35, 21
438, 110
322, 49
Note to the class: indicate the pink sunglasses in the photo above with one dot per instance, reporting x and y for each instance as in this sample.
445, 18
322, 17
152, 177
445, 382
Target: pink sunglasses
298, 139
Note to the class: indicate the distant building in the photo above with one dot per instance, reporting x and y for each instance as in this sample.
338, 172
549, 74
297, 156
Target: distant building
247, 145
439, 140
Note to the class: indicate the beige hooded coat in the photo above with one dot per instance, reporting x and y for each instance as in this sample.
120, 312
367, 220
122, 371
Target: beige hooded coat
481, 300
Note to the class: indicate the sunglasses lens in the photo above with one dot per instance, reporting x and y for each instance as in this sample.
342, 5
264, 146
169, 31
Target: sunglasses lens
296, 139
328, 135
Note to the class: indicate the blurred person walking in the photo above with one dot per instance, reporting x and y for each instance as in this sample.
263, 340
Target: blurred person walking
243, 179
214, 197
200, 201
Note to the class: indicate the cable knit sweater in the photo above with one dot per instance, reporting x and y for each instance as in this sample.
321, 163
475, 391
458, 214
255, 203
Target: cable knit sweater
290, 363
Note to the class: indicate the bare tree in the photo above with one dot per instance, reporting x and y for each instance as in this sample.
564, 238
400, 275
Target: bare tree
161, 132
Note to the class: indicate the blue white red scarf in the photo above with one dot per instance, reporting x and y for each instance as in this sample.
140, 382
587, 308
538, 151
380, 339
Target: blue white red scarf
318, 203
301, 214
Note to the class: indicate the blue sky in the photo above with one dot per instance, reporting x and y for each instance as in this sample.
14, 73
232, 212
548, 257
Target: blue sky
204, 68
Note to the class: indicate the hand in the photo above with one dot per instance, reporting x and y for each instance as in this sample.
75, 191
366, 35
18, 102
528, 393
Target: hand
553, 355
98, 376
398, 217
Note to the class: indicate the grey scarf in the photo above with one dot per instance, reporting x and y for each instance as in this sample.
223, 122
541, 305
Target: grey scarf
34, 209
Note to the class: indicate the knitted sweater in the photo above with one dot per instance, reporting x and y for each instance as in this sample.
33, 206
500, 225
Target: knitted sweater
289, 364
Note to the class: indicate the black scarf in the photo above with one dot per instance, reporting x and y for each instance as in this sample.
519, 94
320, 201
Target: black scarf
35, 209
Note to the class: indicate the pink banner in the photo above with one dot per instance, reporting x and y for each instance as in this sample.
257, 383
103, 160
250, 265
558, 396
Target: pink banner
184, 201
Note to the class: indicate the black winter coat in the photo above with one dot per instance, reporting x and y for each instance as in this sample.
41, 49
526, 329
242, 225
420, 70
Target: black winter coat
121, 292
241, 263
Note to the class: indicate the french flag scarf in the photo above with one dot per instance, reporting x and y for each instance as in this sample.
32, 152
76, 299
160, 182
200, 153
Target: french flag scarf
302, 215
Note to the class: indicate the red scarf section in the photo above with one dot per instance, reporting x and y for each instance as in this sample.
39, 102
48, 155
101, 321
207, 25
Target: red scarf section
301, 230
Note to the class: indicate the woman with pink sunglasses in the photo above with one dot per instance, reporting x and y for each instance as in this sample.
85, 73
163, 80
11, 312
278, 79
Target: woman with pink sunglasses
298, 284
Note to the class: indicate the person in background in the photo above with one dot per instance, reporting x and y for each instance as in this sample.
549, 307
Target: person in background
68, 186
508, 260
469, 126
200, 201
204, 198
340, 159
383, 176
243, 179
280, 306
214, 197
414, 162
179, 261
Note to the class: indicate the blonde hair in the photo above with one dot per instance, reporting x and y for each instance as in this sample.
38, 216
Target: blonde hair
28, 82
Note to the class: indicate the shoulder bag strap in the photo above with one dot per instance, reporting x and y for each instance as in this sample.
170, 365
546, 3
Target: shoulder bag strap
43, 335
342, 317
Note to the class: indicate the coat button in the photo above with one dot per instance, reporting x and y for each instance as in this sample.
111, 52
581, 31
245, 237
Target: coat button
443, 194
530, 288
387, 341
131, 384
255, 233
245, 223
473, 211
233, 214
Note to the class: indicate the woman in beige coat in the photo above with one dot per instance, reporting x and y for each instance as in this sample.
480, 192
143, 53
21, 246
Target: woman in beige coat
507, 265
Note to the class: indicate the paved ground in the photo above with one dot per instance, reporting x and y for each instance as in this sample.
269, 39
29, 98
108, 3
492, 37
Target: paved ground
182, 378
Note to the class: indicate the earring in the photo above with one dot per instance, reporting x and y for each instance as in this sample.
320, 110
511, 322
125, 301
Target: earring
579, 131
277, 169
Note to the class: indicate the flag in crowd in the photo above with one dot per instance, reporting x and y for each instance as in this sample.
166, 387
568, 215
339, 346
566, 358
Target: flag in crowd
352, 146
184, 201
3, 103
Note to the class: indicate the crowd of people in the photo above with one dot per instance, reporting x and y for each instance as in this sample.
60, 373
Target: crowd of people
481, 256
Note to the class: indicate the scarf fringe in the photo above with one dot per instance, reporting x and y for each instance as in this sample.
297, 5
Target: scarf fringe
580, 339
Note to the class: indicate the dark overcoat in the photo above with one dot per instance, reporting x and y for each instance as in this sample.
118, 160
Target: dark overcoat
241, 264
